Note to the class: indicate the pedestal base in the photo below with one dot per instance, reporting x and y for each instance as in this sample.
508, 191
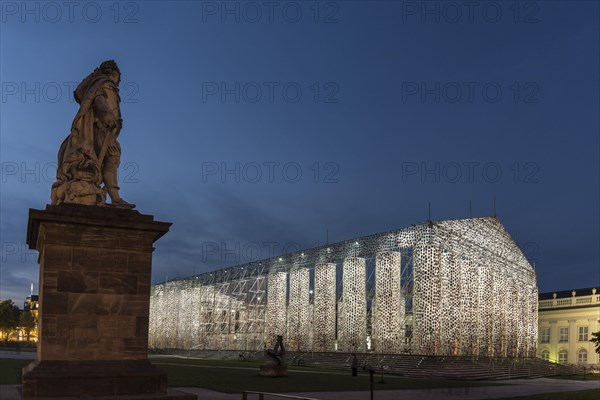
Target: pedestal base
109, 379
95, 270
273, 370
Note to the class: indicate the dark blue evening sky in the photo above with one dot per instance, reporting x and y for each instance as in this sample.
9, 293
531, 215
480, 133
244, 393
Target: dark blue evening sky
348, 117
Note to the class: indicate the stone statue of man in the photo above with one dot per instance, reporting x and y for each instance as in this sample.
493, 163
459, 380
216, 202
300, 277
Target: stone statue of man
91, 154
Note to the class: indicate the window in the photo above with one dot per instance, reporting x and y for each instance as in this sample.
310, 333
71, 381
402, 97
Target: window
583, 334
563, 355
563, 334
582, 356
545, 355
545, 335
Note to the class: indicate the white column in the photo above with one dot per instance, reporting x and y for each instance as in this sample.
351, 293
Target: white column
572, 341
324, 303
276, 307
353, 332
388, 315
426, 299
520, 315
499, 309
469, 332
299, 310
513, 308
554, 341
485, 313
532, 326
450, 317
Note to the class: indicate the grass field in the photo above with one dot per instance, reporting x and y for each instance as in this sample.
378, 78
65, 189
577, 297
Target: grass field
10, 370
237, 376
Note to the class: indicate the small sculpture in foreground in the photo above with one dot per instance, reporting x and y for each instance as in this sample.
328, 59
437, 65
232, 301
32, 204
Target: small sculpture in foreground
278, 351
91, 154
275, 367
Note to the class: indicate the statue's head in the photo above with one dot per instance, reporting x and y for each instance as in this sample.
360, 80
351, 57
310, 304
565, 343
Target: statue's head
110, 68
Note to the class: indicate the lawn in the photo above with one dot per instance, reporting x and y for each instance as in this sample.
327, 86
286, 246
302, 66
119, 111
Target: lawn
10, 370
237, 376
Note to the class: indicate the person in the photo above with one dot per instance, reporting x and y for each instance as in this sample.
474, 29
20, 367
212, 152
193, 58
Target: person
354, 365
91, 154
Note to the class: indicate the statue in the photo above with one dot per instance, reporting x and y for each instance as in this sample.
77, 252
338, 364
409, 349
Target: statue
275, 367
278, 351
91, 154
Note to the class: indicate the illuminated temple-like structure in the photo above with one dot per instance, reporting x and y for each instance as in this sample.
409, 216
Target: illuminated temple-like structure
456, 287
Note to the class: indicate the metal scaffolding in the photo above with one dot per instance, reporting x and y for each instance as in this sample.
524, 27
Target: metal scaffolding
456, 287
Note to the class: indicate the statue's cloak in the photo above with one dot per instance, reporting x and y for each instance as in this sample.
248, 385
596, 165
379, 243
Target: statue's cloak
78, 156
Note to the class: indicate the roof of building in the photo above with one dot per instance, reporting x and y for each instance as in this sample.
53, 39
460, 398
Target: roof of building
481, 235
567, 293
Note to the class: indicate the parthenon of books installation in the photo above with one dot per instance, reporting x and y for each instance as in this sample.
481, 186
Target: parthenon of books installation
456, 287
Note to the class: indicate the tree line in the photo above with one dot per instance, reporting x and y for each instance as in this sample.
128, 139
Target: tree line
12, 320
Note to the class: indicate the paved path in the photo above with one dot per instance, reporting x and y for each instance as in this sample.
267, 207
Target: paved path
517, 387
22, 355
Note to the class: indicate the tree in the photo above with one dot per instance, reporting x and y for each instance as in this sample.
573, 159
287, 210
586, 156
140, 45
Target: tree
9, 317
596, 340
27, 323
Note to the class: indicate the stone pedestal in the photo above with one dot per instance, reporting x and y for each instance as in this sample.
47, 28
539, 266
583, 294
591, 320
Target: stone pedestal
95, 273
273, 370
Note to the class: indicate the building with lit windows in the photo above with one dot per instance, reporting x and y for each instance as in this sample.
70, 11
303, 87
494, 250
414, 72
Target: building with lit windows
566, 320
32, 304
